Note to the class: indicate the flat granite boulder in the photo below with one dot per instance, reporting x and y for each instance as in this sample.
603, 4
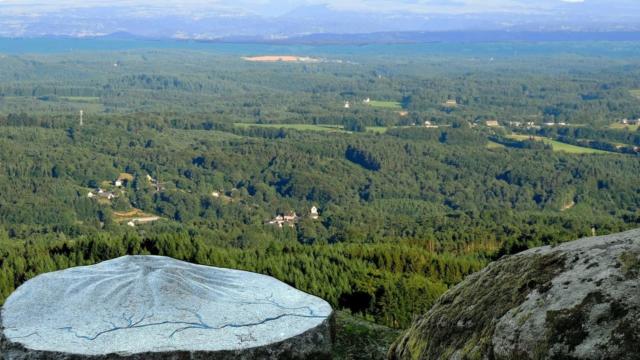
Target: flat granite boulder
152, 307
577, 300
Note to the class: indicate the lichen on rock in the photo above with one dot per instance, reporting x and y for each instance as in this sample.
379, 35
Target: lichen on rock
578, 300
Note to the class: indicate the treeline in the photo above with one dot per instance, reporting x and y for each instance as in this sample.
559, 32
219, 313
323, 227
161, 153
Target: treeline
386, 283
613, 140
582, 90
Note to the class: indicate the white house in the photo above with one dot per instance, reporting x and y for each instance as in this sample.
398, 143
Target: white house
428, 124
314, 213
290, 217
366, 101
281, 220
347, 105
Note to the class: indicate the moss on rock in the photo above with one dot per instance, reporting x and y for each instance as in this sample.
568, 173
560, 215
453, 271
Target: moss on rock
465, 317
578, 300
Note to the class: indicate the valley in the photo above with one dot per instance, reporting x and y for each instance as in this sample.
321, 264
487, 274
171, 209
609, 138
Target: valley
198, 153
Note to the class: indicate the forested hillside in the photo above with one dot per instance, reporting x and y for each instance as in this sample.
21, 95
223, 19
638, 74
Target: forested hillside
192, 156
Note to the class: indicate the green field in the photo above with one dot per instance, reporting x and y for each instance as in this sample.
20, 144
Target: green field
302, 127
635, 93
560, 146
80, 99
311, 127
619, 126
494, 145
377, 129
392, 105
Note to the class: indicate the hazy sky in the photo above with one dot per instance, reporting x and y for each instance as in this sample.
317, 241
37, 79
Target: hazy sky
276, 7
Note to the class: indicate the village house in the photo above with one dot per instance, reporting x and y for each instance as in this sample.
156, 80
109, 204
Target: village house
515, 123
451, 102
366, 101
159, 186
492, 123
428, 124
280, 221
347, 105
102, 194
123, 179
290, 217
314, 213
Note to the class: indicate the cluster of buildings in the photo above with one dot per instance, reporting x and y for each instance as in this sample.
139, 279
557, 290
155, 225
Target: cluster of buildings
290, 219
630, 121
101, 194
121, 181
524, 124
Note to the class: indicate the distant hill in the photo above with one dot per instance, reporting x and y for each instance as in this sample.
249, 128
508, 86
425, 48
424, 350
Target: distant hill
462, 36
220, 20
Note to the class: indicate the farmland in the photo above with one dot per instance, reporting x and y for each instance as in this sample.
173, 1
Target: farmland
560, 146
301, 127
391, 105
620, 126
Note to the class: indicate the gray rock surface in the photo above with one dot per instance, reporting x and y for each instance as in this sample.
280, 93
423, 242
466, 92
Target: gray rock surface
578, 300
150, 307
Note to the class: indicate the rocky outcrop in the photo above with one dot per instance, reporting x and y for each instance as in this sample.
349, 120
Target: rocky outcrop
149, 307
578, 300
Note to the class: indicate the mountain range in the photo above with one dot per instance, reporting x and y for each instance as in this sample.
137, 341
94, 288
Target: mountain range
302, 22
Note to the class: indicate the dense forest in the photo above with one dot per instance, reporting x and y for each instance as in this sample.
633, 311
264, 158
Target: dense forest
194, 155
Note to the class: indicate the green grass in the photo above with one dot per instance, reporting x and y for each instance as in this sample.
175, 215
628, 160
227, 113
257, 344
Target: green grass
494, 145
80, 99
560, 146
302, 127
360, 339
377, 129
635, 93
393, 105
311, 127
620, 126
